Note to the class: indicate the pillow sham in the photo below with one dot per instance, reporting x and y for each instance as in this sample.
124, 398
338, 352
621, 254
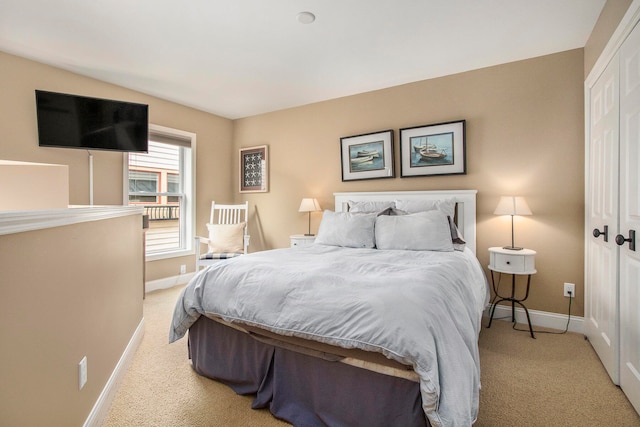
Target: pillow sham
458, 240
422, 231
226, 237
352, 230
446, 206
370, 207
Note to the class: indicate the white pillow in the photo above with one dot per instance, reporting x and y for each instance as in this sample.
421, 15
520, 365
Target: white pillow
446, 206
347, 229
422, 231
226, 237
370, 207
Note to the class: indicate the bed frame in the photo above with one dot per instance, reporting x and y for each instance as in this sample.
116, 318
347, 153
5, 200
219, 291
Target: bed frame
312, 384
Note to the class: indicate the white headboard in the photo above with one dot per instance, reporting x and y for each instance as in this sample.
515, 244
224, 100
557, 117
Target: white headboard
465, 205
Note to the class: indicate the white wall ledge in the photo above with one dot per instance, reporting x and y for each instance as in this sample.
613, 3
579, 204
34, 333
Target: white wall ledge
20, 221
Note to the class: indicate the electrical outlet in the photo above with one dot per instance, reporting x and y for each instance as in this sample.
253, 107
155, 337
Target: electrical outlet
183, 269
82, 373
570, 287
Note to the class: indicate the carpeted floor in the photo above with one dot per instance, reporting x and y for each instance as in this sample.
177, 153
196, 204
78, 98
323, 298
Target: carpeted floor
554, 380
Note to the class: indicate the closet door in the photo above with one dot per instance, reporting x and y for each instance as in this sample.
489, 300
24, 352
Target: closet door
630, 217
601, 290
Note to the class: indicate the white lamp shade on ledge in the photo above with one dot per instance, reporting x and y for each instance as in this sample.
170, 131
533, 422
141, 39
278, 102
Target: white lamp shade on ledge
309, 205
512, 205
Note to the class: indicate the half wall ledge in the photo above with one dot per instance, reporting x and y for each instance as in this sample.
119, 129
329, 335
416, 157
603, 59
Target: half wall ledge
20, 221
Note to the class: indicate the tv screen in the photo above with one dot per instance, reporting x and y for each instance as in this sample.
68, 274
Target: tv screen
72, 121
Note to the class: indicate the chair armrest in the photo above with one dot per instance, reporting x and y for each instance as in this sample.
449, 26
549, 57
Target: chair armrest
201, 240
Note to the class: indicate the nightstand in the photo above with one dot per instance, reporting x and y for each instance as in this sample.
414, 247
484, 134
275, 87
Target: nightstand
517, 263
298, 240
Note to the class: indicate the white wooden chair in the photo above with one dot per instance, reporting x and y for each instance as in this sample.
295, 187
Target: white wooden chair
228, 237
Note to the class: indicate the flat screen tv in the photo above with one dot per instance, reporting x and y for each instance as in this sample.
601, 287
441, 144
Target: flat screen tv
72, 121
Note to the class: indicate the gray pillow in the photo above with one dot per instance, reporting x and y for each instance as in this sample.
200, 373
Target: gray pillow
352, 230
458, 240
422, 231
370, 207
446, 206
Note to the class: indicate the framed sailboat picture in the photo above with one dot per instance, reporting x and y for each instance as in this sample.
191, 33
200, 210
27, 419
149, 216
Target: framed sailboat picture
437, 149
367, 156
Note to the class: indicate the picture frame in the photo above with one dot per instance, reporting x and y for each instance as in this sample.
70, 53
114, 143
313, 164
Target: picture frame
367, 156
254, 169
435, 149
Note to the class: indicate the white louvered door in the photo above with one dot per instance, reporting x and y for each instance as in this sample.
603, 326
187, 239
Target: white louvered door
601, 308
630, 217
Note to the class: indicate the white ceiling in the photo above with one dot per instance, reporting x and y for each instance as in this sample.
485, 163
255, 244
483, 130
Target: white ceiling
237, 58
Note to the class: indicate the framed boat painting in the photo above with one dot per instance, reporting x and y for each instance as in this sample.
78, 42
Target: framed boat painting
437, 149
254, 169
367, 156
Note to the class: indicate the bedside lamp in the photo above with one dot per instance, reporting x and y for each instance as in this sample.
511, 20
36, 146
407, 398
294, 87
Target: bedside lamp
510, 205
309, 205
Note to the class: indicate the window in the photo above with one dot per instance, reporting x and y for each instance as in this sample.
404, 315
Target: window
162, 182
141, 183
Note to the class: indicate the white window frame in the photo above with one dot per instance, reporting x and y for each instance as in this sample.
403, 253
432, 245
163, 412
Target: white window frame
188, 207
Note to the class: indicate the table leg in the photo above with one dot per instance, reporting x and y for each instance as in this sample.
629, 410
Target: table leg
498, 299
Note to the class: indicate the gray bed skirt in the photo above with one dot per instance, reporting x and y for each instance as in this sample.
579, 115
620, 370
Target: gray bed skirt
301, 389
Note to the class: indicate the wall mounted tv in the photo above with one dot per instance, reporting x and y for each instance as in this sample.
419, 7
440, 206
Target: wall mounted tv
72, 121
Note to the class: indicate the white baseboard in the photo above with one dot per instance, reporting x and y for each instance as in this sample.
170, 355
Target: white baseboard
101, 408
168, 282
539, 318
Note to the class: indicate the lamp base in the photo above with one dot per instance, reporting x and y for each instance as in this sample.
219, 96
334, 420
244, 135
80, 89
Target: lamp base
512, 248
307, 234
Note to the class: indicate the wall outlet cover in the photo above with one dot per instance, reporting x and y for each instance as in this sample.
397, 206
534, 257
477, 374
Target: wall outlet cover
570, 287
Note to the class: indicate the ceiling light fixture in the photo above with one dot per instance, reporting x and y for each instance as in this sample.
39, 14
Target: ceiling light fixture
305, 17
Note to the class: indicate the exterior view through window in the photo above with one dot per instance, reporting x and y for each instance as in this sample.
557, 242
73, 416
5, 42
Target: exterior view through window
159, 181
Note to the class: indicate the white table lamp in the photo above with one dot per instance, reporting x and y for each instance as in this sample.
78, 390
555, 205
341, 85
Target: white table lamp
309, 205
510, 205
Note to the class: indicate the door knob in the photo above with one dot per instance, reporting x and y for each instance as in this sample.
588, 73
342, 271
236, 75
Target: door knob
597, 233
620, 240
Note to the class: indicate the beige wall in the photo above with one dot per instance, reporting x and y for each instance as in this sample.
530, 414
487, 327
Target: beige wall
608, 21
19, 78
525, 136
65, 293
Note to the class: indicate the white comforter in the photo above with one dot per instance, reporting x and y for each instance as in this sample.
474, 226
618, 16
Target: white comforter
419, 308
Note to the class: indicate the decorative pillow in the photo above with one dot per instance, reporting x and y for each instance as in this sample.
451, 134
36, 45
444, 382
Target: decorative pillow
226, 237
422, 231
458, 240
370, 207
446, 206
347, 229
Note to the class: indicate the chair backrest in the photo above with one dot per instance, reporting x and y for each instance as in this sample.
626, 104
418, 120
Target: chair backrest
229, 214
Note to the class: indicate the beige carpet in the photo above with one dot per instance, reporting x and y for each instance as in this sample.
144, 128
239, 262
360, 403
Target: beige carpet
554, 380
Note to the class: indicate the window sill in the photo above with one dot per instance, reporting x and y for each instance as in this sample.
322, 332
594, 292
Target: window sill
167, 255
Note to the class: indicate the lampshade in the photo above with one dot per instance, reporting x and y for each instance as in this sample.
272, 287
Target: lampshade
309, 205
510, 205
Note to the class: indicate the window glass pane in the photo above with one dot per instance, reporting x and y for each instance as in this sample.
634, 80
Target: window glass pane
159, 171
173, 186
142, 182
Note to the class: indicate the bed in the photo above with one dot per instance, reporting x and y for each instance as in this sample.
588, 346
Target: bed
375, 324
